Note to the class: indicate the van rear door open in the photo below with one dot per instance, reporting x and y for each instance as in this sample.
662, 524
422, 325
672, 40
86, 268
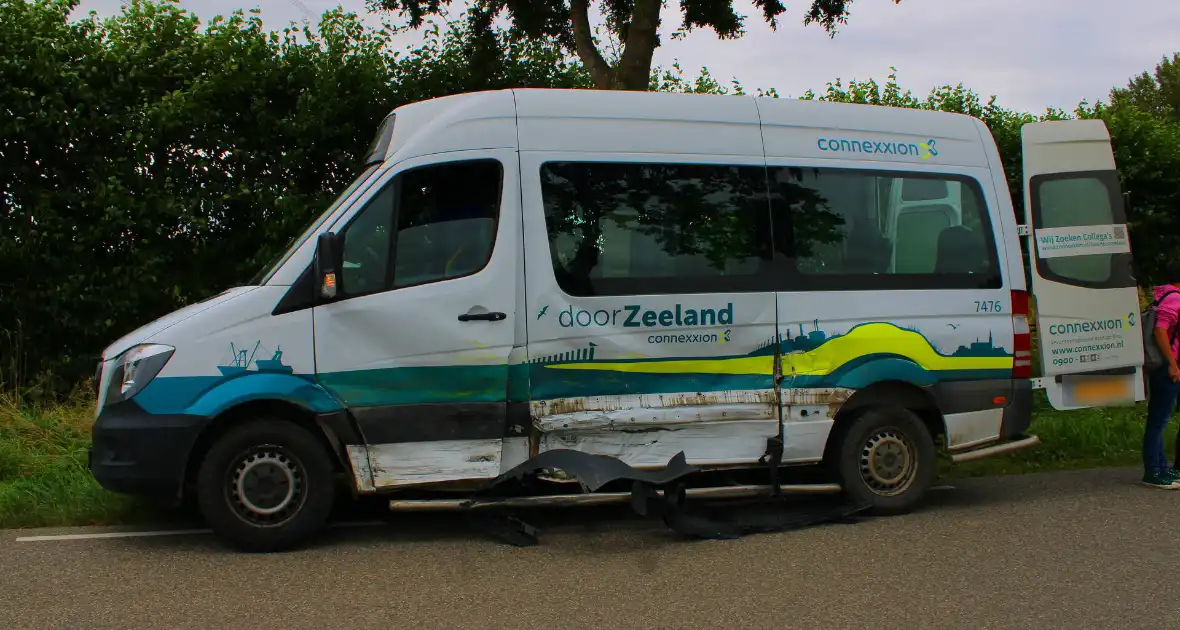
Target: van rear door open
1087, 305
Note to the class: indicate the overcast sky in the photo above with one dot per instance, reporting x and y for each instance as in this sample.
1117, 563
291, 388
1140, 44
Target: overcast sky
1052, 56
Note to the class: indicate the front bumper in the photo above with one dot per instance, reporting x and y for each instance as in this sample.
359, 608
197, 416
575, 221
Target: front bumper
138, 453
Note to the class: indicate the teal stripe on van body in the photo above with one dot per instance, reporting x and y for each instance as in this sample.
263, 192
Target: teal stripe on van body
869, 369
419, 385
210, 396
866, 370
548, 384
518, 382
946, 376
174, 394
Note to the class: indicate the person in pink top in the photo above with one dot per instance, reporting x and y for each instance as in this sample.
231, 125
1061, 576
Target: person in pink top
1163, 386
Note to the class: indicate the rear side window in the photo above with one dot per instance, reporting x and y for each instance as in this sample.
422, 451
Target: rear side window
1076, 200
849, 229
641, 228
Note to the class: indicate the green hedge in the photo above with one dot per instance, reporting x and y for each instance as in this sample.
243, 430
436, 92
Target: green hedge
147, 161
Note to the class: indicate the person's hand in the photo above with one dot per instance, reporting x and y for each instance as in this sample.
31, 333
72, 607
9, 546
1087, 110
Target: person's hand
1174, 372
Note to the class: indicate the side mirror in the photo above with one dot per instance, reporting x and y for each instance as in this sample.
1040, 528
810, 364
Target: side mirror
327, 264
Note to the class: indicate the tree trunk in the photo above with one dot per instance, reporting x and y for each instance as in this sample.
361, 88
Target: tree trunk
634, 71
600, 70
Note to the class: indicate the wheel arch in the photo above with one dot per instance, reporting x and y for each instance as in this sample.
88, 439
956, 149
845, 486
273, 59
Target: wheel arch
897, 393
332, 430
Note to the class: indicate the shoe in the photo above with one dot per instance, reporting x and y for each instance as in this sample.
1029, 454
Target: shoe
1173, 473
1164, 481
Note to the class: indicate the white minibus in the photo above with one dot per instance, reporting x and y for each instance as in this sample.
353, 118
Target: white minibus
754, 283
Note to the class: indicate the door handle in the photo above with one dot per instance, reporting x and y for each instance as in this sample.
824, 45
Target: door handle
488, 317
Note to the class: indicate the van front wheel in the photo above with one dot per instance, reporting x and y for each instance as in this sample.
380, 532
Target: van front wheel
885, 458
266, 486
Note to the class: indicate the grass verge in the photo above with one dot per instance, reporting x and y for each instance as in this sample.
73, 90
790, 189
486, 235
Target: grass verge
44, 480
1071, 440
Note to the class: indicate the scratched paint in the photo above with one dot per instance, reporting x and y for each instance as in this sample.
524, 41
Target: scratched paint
723, 428
514, 453
636, 410
808, 417
712, 429
562, 406
834, 396
640, 418
362, 474
419, 463
715, 429
728, 443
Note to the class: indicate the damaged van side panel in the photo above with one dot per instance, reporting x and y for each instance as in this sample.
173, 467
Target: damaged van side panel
643, 411
646, 430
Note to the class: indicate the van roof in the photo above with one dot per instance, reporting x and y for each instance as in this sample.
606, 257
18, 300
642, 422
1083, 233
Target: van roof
660, 122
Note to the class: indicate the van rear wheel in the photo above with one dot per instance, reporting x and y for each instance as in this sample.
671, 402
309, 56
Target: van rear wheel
266, 486
885, 458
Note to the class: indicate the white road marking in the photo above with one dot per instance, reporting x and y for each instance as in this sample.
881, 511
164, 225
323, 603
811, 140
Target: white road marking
943, 488
170, 532
166, 532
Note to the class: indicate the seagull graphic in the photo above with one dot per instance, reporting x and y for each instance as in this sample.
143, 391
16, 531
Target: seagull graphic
953, 326
542, 313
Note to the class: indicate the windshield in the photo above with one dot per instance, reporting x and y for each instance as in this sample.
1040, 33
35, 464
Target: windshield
271, 267
380, 145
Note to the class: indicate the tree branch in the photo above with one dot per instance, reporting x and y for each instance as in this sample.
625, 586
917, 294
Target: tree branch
599, 69
635, 66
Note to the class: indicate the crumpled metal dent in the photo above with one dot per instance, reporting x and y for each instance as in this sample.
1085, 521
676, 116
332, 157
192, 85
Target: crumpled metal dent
594, 471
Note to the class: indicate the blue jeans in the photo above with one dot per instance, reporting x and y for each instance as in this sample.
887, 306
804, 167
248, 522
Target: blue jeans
1162, 396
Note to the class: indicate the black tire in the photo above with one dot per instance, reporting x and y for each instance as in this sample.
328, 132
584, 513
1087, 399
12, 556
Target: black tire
234, 493
884, 457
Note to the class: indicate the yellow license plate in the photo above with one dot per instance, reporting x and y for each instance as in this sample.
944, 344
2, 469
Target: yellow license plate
1102, 390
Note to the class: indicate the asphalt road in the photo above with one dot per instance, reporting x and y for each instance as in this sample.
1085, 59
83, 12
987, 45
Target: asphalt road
1072, 550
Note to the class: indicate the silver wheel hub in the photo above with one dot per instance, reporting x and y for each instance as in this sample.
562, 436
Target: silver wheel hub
888, 462
264, 485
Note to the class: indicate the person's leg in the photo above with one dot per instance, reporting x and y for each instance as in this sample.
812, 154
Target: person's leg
1165, 466
1175, 396
1169, 391
1161, 399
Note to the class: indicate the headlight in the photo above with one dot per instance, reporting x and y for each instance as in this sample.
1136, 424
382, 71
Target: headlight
134, 369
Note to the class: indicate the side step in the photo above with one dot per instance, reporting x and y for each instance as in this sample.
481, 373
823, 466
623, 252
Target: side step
998, 449
602, 498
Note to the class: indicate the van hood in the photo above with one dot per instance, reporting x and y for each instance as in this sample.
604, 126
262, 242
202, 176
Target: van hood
147, 332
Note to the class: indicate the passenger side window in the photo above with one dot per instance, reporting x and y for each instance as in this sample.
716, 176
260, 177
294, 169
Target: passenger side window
642, 228
446, 221
850, 229
428, 224
366, 245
